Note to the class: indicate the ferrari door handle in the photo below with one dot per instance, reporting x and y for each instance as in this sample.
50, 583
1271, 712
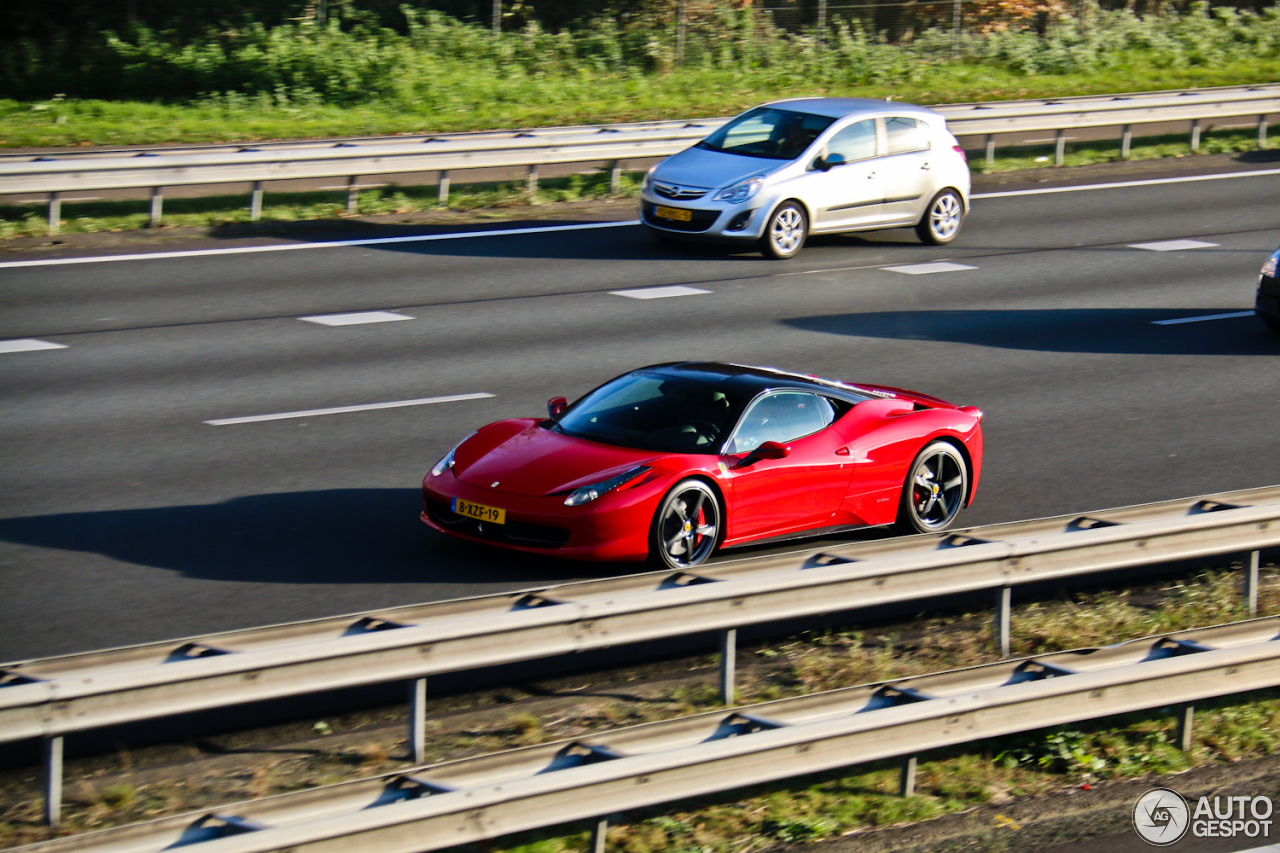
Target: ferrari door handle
843, 451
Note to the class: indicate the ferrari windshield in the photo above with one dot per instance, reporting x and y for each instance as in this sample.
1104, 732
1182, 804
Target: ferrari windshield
768, 132
651, 411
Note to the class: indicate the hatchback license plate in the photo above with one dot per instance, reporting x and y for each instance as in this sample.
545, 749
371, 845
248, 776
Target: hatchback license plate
674, 213
480, 512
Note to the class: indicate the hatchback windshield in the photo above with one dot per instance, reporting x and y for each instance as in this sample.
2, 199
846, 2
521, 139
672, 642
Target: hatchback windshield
768, 132
651, 411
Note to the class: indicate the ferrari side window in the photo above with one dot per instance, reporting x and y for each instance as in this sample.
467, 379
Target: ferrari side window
781, 417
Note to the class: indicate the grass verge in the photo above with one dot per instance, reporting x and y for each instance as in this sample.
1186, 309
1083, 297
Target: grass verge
798, 810
31, 220
494, 98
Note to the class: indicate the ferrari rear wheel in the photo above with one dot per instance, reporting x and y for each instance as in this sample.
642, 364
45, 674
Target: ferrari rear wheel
935, 489
686, 527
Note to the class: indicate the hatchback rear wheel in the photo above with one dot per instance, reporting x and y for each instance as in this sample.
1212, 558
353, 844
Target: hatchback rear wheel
941, 222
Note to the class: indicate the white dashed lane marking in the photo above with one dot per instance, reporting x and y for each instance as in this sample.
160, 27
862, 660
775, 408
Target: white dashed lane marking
28, 345
340, 410
927, 269
659, 292
1172, 245
1175, 322
356, 319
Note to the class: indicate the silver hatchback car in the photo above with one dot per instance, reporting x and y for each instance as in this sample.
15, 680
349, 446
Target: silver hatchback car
788, 169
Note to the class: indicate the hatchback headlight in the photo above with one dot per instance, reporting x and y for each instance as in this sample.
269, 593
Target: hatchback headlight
1269, 268
648, 177
738, 193
587, 494
446, 461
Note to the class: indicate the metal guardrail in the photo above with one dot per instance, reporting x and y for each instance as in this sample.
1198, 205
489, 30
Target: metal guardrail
53, 697
474, 799
612, 144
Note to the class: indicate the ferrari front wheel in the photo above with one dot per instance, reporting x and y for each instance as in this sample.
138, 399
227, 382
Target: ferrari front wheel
935, 489
686, 526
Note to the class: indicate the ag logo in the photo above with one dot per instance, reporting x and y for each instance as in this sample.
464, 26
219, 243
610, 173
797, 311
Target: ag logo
1161, 817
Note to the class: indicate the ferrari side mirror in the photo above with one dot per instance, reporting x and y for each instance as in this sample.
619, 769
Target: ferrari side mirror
767, 450
556, 405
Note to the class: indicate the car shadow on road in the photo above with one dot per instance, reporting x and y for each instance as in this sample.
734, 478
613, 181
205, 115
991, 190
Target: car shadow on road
572, 239
334, 536
1121, 331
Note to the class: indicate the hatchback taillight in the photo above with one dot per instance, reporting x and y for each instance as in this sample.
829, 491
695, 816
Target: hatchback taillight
960, 151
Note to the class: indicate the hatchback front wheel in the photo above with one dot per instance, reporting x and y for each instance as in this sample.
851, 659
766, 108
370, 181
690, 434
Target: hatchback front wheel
785, 234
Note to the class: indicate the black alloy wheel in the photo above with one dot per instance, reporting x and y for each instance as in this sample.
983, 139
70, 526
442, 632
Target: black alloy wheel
686, 527
935, 490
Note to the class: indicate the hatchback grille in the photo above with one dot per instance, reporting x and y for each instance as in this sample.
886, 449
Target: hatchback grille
678, 191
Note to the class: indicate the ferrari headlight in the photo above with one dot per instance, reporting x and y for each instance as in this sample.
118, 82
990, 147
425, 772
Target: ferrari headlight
1269, 268
587, 494
446, 461
739, 193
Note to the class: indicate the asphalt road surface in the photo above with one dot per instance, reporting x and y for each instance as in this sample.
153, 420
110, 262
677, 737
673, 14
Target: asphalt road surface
126, 517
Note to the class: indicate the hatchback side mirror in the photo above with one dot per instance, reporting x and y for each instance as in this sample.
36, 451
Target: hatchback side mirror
825, 163
767, 450
556, 405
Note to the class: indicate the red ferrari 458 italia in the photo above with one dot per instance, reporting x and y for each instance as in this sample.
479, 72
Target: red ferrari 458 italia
673, 461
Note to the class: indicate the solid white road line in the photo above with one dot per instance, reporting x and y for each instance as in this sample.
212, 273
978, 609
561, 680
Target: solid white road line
928, 269
356, 319
1172, 245
659, 292
28, 345
1150, 182
1230, 316
509, 232
290, 247
368, 407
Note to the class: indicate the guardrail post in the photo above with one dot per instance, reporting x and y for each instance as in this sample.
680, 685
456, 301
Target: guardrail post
1262, 131
353, 193
1004, 599
1186, 718
599, 833
1126, 141
55, 212
728, 661
53, 780
1060, 148
157, 204
255, 202
991, 149
1251, 582
1195, 135
418, 720
615, 177
444, 188
907, 781
532, 187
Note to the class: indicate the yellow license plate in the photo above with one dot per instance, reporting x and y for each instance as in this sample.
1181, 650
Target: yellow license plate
674, 213
480, 512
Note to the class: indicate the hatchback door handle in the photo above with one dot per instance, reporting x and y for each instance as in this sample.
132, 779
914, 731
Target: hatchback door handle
925, 167
871, 176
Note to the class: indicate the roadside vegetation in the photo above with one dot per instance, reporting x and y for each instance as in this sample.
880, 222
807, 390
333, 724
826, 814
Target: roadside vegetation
355, 75
1080, 756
